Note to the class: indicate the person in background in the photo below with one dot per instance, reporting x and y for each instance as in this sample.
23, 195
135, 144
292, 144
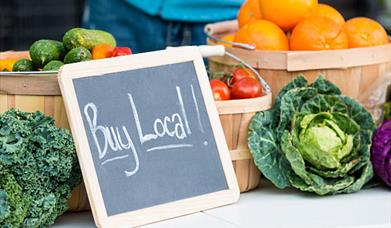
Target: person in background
385, 15
356, 8
148, 25
379, 10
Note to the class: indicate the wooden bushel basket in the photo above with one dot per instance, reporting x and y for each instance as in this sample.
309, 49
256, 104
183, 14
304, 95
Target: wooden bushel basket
38, 93
353, 70
235, 116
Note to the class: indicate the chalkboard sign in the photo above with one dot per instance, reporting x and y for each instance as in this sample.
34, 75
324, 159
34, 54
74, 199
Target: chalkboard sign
148, 136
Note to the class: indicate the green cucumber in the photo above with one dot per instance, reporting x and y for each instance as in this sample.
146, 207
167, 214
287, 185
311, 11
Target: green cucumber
88, 38
53, 65
78, 54
23, 65
44, 51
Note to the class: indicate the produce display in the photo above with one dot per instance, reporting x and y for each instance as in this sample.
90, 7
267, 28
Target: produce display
303, 25
381, 152
241, 83
38, 169
313, 139
78, 45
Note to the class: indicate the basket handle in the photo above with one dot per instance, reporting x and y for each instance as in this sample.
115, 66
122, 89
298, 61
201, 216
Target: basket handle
211, 29
219, 50
265, 86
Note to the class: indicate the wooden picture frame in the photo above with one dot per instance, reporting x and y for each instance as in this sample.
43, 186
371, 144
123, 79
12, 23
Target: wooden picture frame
158, 212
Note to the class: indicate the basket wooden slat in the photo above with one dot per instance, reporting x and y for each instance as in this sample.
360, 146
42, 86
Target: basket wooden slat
30, 85
235, 116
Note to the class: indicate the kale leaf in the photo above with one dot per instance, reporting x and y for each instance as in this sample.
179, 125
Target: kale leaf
38, 169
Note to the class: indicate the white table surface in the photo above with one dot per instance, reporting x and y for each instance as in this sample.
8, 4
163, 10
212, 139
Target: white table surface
269, 207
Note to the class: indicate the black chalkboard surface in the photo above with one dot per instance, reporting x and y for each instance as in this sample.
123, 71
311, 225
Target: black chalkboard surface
151, 136
159, 147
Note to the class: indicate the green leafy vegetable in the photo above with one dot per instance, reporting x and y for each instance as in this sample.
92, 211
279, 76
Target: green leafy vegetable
38, 169
387, 110
313, 139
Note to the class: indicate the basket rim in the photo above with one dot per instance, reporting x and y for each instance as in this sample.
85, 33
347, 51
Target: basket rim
43, 85
251, 105
309, 60
300, 60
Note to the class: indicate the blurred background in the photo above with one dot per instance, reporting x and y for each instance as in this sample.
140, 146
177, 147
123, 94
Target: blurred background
23, 21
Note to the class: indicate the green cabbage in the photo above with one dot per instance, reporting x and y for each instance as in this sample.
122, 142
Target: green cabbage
38, 169
313, 139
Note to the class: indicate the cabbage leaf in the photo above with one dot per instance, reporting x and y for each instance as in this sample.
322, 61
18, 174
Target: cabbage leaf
313, 139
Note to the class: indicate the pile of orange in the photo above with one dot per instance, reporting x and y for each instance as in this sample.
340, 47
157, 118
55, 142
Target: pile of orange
303, 25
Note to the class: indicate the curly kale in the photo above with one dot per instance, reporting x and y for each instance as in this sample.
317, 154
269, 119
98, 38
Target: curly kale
38, 169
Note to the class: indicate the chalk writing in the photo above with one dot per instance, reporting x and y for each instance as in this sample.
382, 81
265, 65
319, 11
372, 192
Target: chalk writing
114, 143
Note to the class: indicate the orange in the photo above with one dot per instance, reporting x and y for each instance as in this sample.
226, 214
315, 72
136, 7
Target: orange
365, 32
286, 13
7, 64
318, 33
102, 51
250, 11
324, 10
230, 38
264, 35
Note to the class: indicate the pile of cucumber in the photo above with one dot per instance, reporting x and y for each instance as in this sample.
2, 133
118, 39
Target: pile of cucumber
76, 46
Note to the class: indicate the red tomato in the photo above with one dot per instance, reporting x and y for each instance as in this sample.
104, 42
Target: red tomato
220, 90
246, 88
241, 73
120, 51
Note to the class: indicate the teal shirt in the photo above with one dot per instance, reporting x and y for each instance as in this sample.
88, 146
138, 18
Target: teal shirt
190, 10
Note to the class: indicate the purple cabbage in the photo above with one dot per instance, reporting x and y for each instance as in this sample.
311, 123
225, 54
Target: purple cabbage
381, 152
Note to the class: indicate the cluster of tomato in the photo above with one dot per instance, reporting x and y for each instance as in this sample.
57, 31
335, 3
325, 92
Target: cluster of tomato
102, 51
239, 84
